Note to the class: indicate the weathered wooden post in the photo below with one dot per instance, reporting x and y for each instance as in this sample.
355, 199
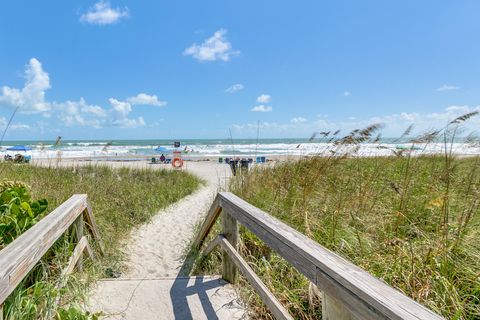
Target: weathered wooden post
230, 231
78, 226
333, 310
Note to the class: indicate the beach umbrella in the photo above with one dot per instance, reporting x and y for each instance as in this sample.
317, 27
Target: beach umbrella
19, 148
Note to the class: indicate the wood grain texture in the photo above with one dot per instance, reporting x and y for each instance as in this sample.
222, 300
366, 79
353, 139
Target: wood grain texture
334, 310
92, 225
207, 225
215, 242
365, 296
230, 232
267, 297
77, 254
20, 256
78, 231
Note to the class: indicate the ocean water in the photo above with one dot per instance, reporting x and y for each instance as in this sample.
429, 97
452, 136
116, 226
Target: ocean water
221, 148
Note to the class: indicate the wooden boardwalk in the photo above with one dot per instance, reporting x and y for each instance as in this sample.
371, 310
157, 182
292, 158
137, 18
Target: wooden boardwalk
156, 284
167, 298
348, 291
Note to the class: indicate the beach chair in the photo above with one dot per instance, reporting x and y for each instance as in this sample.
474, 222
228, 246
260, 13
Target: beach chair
220, 160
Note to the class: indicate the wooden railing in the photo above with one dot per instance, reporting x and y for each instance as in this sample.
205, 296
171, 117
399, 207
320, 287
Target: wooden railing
20, 256
349, 292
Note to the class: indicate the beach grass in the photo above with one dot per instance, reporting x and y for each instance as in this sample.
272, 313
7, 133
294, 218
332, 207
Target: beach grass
410, 220
121, 199
413, 222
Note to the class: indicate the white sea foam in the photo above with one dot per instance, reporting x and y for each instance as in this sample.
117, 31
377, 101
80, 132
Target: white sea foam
97, 149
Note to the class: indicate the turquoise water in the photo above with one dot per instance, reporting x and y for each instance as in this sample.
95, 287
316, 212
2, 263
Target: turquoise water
219, 147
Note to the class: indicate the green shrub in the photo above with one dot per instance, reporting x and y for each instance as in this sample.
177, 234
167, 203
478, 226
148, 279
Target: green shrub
121, 200
18, 212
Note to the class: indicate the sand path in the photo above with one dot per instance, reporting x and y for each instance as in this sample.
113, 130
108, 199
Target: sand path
158, 249
155, 286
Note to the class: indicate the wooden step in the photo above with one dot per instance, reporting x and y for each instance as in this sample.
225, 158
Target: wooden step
207, 297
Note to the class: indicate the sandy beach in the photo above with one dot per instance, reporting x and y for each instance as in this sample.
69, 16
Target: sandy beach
157, 248
156, 273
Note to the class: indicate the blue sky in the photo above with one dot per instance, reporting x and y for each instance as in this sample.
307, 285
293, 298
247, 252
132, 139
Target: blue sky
195, 69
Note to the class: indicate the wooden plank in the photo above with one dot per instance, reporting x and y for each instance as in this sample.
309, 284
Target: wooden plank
215, 242
345, 297
230, 232
364, 295
19, 257
92, 225
267, 297
334, 310
207, 225
78, 229
89, 250
77, 254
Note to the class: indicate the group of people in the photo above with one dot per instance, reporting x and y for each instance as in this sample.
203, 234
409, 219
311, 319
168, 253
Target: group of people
162, 159
17, 158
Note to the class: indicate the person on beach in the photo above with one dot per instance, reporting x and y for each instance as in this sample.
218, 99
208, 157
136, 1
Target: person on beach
162, 158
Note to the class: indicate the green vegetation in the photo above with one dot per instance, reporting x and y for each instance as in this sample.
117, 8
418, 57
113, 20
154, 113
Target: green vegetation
413, 221
121, 199
17, 212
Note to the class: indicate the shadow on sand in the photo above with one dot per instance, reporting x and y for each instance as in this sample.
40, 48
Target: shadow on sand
181, 290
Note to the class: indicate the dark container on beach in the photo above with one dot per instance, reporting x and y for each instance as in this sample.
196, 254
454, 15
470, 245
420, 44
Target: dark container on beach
233, 167
244, 165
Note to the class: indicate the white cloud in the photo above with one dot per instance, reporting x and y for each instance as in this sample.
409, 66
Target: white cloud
394, 124
80, 113
94, 110
120, 107
234, 88
102, 13
347, 93
19, 126
262, 108
129, 123
30, 99
298, 120
13, 126
447, 87
214, 48
264, 98
145, 99
120, 112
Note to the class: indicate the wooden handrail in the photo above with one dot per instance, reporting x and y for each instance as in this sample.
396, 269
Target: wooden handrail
359, 294
277, 309
20, 256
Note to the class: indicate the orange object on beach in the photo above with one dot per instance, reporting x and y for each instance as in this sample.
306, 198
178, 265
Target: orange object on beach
177, 163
